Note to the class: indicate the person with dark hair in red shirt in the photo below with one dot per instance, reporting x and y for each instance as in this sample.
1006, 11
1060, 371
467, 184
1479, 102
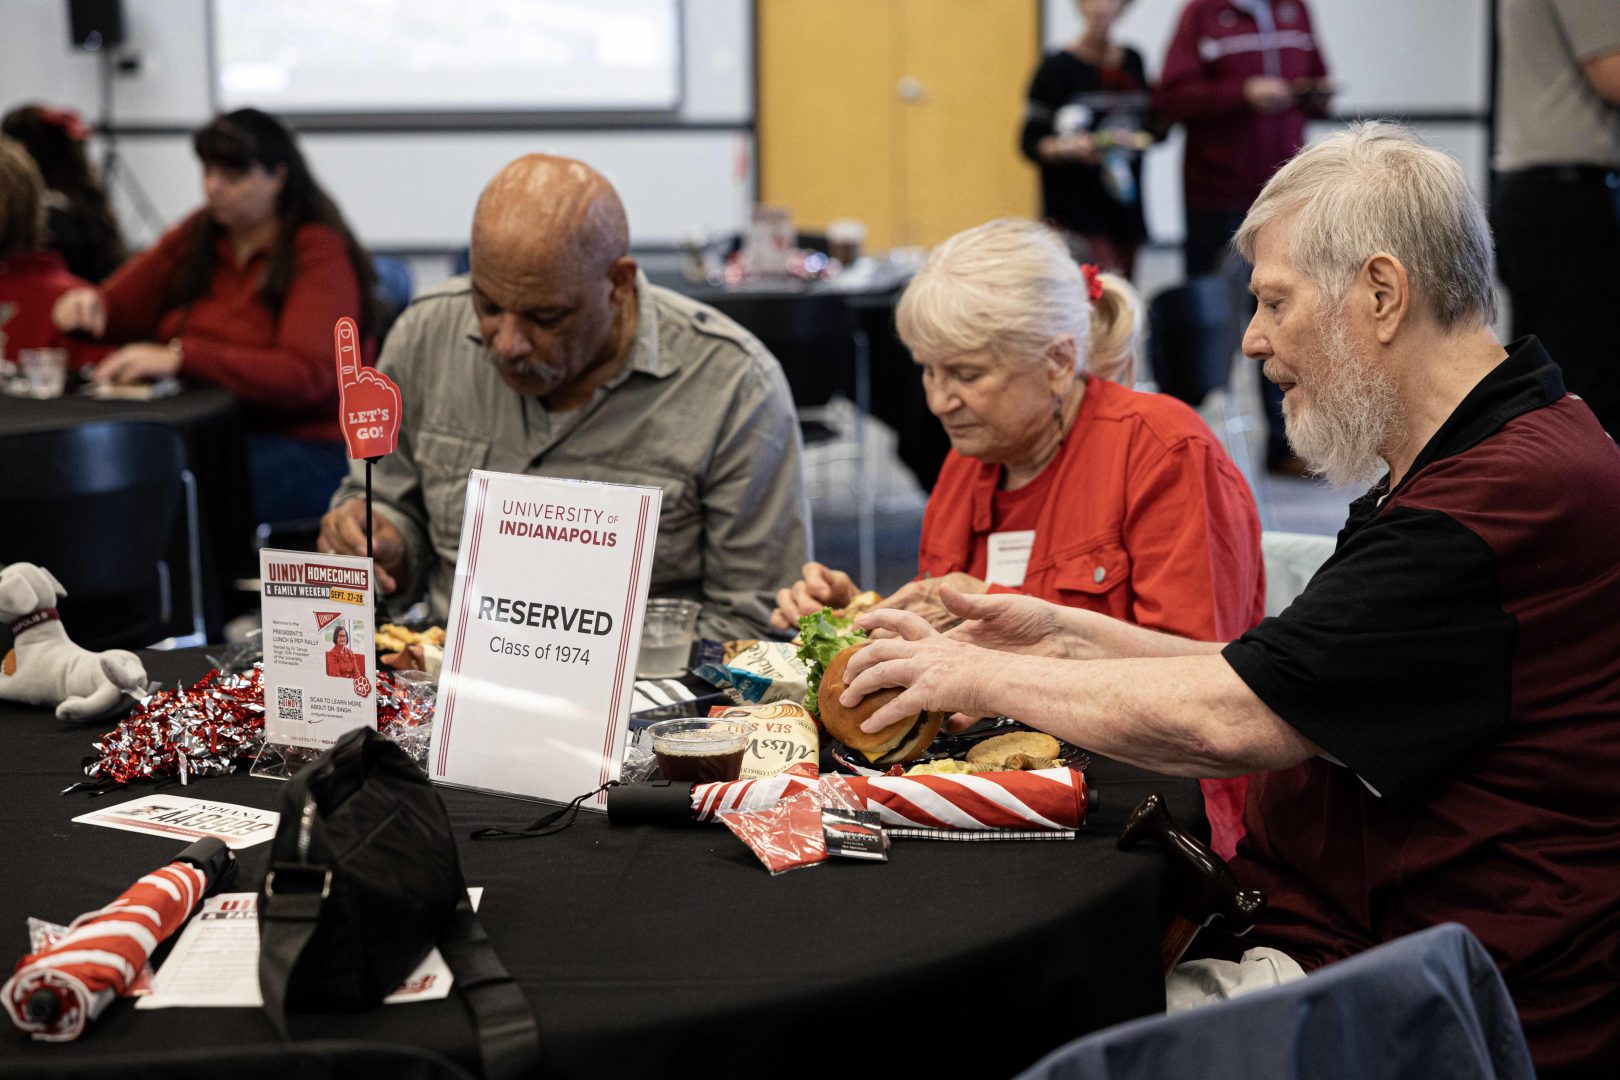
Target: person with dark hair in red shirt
341, 661
31, 278
244, 294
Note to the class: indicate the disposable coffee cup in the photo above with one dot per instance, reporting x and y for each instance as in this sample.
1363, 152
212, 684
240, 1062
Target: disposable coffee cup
666, 638
45, 370
700, 750
844, 239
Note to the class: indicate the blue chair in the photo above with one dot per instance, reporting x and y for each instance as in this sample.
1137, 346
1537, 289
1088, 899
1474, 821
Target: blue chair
1429, 1006
395, 284
394, 281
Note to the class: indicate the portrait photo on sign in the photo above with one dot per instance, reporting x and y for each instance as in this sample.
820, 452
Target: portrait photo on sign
342, 662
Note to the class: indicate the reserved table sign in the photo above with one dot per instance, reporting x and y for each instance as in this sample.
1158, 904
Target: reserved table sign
544, 627
318, 644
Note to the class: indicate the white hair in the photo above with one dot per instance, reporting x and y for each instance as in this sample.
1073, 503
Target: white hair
1377, 188
1353, 412
1010, 288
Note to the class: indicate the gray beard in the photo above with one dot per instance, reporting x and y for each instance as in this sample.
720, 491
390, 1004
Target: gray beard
1353, 416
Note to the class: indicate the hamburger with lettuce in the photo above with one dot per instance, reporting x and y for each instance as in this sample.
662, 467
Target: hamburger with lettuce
827, 640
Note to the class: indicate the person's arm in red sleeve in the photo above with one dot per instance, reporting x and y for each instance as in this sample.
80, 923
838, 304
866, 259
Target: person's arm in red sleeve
1193, 538
296, 372
1187, 88
134, 296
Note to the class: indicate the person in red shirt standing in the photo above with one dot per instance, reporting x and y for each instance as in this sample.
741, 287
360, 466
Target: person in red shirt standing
1243, 76
31, 278
1063, 483
244, 294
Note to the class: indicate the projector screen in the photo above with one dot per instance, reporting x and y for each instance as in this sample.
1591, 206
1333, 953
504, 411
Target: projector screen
451, 56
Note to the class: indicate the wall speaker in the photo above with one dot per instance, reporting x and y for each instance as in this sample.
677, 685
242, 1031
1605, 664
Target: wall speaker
96, 24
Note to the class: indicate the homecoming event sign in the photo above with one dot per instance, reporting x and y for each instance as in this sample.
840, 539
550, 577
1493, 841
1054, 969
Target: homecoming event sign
318, 645
179, 818
545, 622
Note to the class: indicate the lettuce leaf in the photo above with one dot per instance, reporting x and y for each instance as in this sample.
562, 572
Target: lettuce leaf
823, 636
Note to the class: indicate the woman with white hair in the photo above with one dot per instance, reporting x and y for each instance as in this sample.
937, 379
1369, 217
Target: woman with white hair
1062, 482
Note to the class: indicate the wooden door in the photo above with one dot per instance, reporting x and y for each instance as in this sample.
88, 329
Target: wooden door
902, 113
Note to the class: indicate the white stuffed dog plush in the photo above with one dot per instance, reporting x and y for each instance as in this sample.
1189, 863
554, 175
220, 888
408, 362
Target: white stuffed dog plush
44, 666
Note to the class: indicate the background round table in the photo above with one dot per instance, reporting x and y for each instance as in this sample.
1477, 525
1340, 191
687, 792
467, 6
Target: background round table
209, 422
653, 951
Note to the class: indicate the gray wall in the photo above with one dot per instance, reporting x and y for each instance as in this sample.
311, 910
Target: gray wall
414, 188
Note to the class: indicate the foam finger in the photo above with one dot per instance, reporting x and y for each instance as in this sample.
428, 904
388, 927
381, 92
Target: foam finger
346, 345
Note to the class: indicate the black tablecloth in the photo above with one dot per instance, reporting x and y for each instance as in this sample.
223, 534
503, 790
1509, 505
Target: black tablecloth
209, 421
656, 951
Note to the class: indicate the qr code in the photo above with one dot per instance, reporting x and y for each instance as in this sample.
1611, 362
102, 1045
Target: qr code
290, 703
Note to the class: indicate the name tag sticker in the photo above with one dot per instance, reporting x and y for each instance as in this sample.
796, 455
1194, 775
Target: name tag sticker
1009, 557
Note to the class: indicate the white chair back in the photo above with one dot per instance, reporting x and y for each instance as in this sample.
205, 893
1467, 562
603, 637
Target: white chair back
1291, 560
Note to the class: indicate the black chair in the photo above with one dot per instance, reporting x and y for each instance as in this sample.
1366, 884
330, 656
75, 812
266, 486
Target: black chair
1194, 331
97, 505
824, 354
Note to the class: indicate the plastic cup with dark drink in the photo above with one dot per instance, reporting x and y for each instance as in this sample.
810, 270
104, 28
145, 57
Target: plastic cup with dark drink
700, 750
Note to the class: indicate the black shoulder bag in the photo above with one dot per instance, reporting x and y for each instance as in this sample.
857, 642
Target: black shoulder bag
364, 881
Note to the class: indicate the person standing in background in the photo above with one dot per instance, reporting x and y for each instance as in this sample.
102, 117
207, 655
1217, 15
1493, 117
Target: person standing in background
1556, 213
79, 224
1244, 76
1086, 128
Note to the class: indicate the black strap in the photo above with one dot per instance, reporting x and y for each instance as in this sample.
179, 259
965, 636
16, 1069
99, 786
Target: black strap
544, 825
508, 1036
288, 914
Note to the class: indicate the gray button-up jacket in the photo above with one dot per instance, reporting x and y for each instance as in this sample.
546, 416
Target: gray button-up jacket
701, 411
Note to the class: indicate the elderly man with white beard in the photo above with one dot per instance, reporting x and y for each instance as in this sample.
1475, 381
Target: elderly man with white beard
1438, 712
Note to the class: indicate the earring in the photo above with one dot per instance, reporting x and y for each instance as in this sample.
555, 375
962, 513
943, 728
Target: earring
1057, 411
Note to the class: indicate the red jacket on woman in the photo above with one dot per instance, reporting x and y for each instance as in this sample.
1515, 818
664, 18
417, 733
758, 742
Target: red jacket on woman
280, 368
1146, 519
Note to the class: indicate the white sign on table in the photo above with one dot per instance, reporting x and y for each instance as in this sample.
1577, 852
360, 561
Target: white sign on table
318, 644
215, 961
544, 627
175, 816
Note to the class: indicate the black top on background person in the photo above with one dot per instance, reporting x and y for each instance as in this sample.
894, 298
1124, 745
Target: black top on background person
79, 220
1082, 97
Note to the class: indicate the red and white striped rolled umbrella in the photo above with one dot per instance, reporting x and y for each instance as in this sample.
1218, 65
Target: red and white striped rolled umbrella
1052, 800
55, 992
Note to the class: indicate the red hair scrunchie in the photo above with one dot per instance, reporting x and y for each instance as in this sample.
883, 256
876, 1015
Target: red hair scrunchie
1094, 286
67, 121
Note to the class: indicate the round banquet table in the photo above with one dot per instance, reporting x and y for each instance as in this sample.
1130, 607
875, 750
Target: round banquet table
210, 424
651, 951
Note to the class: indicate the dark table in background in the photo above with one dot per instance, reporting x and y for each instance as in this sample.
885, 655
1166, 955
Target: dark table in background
652, 951
210, 423
897, 390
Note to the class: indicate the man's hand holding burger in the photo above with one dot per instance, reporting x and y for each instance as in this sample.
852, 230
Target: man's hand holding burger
934, 672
